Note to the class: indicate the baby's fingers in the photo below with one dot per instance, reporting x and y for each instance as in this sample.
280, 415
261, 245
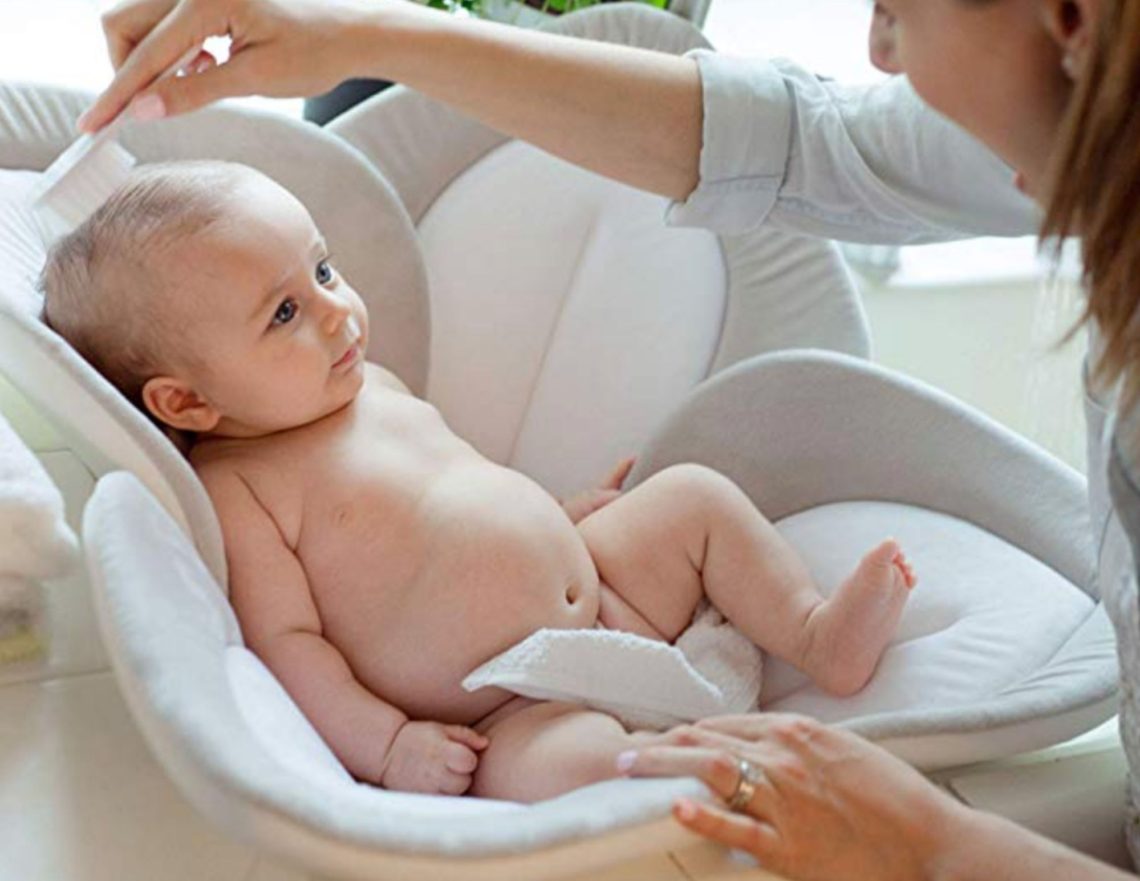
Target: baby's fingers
461, 734
459, 759
454, 784
617, 477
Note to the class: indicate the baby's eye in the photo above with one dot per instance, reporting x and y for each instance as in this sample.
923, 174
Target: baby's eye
286, 312
325, 272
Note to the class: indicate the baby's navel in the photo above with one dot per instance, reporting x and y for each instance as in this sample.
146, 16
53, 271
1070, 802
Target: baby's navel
573, 592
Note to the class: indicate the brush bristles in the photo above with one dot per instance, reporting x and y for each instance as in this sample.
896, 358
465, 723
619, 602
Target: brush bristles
79, 181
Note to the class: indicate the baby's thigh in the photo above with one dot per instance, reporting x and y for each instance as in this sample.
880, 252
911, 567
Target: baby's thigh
546, 749
649, 543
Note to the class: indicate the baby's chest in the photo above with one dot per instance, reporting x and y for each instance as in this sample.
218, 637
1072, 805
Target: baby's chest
358, 505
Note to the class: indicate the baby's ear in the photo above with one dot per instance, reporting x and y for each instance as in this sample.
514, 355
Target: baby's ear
174, 403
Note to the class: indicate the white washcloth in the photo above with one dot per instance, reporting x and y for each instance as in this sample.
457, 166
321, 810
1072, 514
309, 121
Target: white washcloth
35, 540
712, 669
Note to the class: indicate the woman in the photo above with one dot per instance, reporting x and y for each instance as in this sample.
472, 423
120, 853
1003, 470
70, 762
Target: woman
1050, 86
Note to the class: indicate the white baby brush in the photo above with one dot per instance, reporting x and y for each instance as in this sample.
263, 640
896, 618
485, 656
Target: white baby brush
86, 173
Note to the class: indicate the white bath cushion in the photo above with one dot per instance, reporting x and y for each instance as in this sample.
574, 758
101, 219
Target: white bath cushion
596, 314
983, 617
22, 243
267, 707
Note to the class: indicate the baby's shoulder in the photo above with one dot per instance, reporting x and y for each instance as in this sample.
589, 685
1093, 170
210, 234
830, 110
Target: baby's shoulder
234, 475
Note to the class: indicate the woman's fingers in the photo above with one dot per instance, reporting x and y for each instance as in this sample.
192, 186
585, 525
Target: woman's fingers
125, 25
719, 768
740, 831
754, 727
171, 37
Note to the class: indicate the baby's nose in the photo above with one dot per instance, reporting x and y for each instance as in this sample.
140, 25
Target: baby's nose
336, 314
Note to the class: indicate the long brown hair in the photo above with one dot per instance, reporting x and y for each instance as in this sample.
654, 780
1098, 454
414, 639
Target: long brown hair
1095, 192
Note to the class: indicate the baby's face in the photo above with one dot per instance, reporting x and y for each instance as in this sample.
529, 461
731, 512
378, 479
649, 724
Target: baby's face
277, 336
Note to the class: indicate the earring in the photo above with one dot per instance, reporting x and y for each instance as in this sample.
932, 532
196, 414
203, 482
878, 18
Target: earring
1069, 65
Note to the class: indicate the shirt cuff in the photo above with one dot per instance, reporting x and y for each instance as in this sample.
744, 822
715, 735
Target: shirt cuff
745, 141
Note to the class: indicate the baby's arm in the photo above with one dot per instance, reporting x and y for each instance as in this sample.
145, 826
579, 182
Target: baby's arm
280, 623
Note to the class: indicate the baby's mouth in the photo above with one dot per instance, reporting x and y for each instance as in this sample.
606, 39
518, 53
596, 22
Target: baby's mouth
348, 356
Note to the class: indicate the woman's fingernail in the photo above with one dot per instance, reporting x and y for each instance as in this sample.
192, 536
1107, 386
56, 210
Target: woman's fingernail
626, 759
83, 120
148, 107
686, 810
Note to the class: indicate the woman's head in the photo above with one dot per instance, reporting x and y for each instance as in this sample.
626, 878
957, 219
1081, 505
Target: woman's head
1053, 87
999, 68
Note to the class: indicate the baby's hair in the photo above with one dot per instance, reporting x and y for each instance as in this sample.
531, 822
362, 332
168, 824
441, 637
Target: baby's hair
101, 284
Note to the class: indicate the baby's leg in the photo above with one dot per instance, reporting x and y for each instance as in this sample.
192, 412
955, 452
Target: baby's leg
546, 749
689, 530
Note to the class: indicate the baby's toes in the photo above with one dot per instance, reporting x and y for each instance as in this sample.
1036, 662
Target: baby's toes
884, 555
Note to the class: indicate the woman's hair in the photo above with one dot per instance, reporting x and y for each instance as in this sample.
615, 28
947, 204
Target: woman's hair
1094, 192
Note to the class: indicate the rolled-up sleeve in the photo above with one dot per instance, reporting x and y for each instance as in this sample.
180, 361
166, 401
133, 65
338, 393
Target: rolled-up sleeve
858, 163
746, 135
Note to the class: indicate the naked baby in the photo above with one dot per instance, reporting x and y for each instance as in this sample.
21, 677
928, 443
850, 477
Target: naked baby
376, 558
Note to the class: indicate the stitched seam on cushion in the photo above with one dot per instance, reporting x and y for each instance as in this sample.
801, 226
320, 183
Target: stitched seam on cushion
587, 240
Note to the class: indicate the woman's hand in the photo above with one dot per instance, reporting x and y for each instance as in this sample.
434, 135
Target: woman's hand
582, 505
281, 49
828, 805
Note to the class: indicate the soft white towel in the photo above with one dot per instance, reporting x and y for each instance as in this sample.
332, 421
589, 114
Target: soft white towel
712, 669
35, 540
21, 619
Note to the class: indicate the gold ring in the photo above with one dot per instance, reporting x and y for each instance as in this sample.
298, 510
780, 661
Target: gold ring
750, 775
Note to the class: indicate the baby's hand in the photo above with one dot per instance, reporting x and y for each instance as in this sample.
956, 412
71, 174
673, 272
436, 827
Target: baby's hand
584, 504
432, 757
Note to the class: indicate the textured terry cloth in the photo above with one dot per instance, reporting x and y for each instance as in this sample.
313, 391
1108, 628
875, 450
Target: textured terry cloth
712, 669
35, 540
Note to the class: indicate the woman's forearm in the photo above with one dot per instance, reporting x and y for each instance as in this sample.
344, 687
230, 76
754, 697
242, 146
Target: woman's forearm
630, 114
985, 847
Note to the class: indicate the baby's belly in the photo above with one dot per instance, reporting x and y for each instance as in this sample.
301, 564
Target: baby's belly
499, 560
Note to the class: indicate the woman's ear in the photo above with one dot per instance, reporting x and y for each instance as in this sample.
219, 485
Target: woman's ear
1072, 24
882, 43
172, 402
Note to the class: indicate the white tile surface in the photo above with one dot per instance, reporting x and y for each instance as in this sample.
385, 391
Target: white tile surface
81, 799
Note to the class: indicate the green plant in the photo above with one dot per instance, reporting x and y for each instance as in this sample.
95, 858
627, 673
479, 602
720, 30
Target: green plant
553, 7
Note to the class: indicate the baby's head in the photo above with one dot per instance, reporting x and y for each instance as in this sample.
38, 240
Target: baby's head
204, 292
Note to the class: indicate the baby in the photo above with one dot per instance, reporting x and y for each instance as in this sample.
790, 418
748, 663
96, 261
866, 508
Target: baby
375, 558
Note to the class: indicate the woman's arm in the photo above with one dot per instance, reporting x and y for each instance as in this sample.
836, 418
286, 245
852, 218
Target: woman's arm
989, 847
630, 114
866, 163
766, 141
830, 806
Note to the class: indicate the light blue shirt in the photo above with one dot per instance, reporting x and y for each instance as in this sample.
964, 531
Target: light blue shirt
874, 164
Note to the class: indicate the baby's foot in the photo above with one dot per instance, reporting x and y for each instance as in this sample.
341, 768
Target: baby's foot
849, 632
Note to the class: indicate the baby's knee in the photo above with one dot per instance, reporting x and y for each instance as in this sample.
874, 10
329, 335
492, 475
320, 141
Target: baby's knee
699, 486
